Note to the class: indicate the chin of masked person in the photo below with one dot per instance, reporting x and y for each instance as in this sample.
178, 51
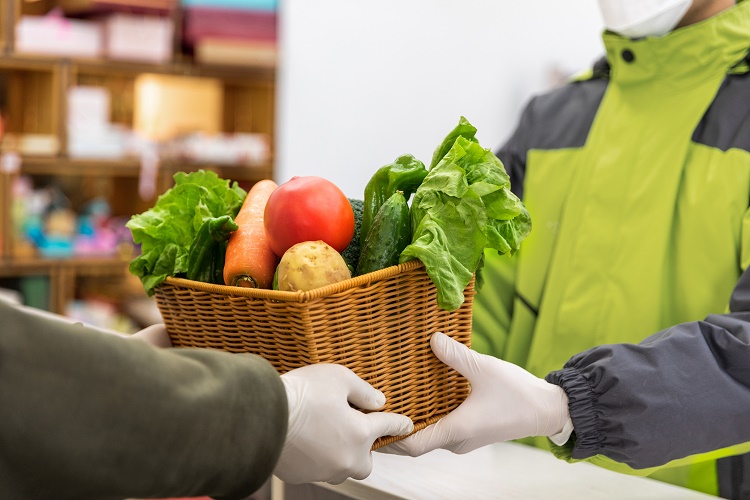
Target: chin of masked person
642, 18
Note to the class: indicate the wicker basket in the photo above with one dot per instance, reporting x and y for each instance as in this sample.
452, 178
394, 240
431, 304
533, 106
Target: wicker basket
378, 325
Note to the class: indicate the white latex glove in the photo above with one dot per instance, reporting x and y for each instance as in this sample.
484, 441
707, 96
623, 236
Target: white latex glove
155, 335
328, 440
506, 402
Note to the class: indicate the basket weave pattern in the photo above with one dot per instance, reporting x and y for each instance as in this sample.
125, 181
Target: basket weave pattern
378, 325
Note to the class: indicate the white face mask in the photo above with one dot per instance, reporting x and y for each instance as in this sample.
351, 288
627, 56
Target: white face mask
640, 18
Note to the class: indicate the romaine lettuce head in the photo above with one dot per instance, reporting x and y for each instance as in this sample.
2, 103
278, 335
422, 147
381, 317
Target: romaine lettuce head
463, 129
166, 231
463, 206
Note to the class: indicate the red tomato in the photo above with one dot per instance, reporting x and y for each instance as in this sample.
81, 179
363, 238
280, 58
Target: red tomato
308, 208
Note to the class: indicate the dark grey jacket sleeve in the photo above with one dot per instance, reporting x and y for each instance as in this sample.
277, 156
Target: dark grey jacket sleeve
88, 415
682, 391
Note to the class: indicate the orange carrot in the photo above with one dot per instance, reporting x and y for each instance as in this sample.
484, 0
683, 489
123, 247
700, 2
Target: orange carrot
249, 260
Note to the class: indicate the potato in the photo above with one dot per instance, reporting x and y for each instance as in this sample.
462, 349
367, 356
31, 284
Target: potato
311, 264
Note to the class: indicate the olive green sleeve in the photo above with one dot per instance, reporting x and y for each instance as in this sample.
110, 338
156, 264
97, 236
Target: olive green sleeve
89, 415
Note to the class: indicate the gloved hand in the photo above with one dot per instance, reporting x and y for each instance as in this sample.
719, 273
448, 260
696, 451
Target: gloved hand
155, 335
328, 440
506, 402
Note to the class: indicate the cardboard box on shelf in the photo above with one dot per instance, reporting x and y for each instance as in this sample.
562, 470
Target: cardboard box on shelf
222, 149
58, 35
88, 107
106, 143
138, 37
90, 131
236, 52
168, 106
212, 22
30, 144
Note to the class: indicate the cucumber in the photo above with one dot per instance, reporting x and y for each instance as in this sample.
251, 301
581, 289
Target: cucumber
389, 234
351, 253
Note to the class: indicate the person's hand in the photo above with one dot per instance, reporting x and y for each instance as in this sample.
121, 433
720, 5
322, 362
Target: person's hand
506, 402
155, 335
328, 440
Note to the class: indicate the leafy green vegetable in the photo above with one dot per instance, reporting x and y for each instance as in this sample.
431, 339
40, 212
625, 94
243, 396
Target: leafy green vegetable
463, 129
463, 206
167, 230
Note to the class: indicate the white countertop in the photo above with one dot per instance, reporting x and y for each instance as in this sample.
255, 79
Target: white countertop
501, 471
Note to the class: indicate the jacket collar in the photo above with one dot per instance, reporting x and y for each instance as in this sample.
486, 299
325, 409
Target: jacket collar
685, 56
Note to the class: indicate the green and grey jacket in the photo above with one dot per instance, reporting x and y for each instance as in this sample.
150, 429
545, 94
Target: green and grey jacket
85, 414
637, 180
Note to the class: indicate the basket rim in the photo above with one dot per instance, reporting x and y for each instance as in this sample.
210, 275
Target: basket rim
299, 296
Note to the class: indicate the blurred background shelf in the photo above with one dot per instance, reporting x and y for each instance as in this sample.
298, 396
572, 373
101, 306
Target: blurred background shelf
101, 103
55, 284
131, 167
92, 266
100, 65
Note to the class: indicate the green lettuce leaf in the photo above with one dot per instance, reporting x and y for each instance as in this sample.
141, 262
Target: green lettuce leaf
166, 231
463, 129
463, 206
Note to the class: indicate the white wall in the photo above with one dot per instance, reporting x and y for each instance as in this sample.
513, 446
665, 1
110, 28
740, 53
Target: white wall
364, 81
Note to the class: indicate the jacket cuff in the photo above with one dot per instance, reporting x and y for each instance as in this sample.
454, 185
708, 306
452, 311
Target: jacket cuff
581, 405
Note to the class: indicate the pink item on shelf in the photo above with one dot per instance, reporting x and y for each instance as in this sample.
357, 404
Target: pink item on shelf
138, 38
203, 22
103, 242
57, 35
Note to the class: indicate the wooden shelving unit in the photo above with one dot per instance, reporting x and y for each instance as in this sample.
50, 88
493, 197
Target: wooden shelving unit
64, 273
131, 167
37, 88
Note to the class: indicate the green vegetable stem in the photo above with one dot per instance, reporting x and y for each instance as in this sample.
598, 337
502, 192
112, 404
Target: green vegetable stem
405, 175
206, 255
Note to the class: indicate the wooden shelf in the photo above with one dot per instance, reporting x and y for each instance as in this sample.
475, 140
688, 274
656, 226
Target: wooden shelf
50, 165
109, 66
131, 167
28, 63
36, 87
64, 273
84, 266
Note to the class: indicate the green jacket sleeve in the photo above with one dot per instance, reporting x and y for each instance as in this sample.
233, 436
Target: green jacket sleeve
84, 414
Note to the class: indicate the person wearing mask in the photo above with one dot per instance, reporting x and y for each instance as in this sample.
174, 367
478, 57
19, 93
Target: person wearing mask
87, 414
637, 180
